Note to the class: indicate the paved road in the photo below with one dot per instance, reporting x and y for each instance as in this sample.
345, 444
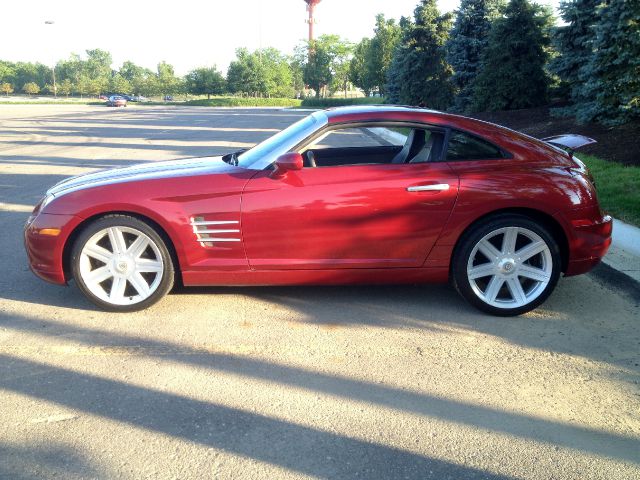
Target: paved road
384, 382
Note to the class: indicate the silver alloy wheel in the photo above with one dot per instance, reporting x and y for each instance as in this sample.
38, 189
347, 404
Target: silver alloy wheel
510, 267
121, 265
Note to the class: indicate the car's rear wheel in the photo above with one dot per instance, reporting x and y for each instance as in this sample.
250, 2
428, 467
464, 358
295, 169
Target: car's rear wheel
122, 264
507, 266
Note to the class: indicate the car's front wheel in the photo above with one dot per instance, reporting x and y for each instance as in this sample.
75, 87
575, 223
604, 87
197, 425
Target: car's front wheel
122, 264
507, 266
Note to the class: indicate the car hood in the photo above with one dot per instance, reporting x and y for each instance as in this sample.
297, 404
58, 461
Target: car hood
144, 171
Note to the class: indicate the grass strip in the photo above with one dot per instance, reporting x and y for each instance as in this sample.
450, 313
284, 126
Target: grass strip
618, 187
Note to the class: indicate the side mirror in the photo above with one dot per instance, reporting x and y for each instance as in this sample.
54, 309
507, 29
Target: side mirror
286, 163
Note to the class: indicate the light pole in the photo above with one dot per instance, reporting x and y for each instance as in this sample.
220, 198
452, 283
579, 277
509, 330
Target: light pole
55, 88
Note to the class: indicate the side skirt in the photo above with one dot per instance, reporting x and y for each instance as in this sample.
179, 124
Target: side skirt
316, 277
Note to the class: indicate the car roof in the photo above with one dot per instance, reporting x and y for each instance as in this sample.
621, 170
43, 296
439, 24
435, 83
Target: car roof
506, 138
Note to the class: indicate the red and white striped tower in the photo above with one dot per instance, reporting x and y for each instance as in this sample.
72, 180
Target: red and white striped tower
311, 5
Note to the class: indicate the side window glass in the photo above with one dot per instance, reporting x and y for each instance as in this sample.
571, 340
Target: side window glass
463, 146
353, 146
355, 138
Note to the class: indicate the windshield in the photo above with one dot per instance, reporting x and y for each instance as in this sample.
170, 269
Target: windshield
265, 153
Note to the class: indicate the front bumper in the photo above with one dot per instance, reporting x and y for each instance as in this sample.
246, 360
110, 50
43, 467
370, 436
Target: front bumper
45, 236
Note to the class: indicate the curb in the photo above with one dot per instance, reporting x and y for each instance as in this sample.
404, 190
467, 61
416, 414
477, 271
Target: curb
624, 253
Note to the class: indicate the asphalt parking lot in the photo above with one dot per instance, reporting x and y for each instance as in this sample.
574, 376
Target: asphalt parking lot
297, 382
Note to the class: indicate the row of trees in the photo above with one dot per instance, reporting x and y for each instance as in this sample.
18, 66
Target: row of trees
489, 55
265, 73
499, 55
89, 75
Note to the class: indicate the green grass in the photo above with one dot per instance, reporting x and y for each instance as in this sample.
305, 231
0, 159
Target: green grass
340, 102
242, 102
618, 187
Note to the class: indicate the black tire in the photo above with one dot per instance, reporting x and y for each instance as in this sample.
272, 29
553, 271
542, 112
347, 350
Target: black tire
162, 285
469, 241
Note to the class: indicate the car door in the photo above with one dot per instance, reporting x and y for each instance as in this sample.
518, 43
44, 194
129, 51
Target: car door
364, 215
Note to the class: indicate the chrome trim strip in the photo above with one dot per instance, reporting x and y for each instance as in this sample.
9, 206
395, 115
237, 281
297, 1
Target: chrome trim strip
212, 239
202, 222
439, 187
217, 231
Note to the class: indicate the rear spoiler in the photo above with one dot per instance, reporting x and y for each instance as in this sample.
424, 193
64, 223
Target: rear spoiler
569, 141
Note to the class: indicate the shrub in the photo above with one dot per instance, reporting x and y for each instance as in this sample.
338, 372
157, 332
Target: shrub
340, 102
244, 102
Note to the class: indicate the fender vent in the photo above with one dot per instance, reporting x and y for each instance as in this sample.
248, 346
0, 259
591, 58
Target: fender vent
210, 232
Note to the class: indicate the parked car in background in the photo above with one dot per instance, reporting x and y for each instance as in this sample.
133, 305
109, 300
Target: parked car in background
116, 101
168, 98
351, 195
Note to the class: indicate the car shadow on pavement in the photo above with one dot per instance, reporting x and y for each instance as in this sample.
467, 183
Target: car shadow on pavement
565, 324
104, 395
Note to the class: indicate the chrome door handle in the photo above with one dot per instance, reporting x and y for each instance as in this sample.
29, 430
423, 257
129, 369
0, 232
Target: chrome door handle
438, 187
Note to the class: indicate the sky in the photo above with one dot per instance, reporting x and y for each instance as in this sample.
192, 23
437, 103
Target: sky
193, 33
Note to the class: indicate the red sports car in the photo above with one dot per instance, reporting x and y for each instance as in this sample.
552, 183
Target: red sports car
350, 195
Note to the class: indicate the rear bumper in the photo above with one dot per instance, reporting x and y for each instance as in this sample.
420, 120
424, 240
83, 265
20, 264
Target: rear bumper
45, 248
589, 236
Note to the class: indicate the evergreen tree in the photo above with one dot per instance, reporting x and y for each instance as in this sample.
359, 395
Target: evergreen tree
512, 74
574, 42
468, 40
419, 73
610, 82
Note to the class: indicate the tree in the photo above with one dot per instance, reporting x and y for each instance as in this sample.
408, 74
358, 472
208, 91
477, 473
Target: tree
22, 73
359, 73
609, 89
265, 72
574, 43
205, 81
167, 80
65, 87
419, 73
98, 65
71, 69
146, 84
119, 84
7, 72
96, 86
323, 59
341, 61
6, 88
83, 85
386, 37
130, 71
31, 88
245, 74
468, 41
296, 66
513, 74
